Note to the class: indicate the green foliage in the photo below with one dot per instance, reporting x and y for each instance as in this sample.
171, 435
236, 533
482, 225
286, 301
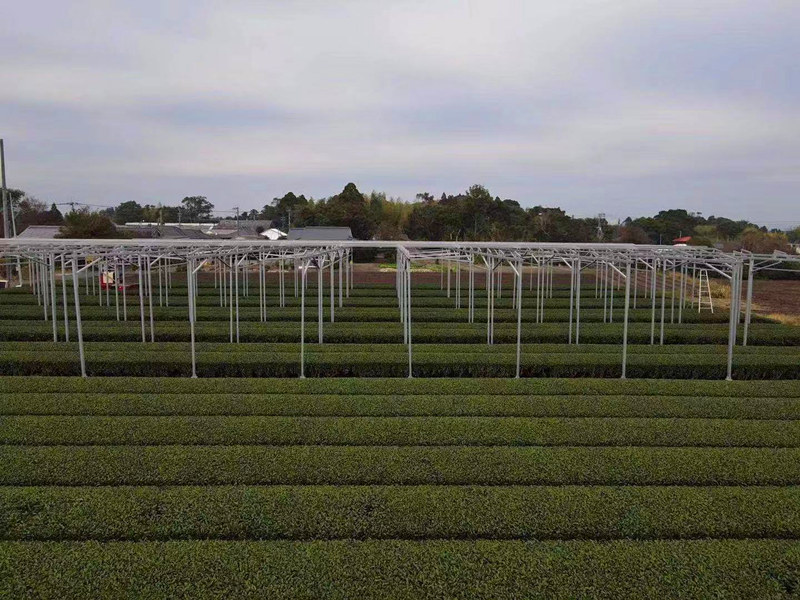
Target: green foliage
395, 404
83, 224
128, 212
386, 465
196, 209
397, 512
390, 431
396, 569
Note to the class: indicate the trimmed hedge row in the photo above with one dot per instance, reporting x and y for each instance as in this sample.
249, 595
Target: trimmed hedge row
397, 431
381, 465
351, 314
387, 386
206, 300
292, 348
349, 332
397, 405
267, 404
409, 512
321, 362
387, 570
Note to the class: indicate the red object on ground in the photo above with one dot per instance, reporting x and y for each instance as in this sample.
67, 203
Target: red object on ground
682, 240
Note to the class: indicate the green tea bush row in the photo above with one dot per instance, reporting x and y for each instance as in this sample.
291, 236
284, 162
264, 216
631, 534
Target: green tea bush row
351, 314
392, 512
382, 465
390, 386
282, 404
397, 431
380, 569
598, 333
320, 362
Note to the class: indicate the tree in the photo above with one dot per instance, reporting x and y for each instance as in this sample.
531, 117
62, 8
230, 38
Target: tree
128, 212
349, 208
196, 209
761, 242
287, 210
82, 224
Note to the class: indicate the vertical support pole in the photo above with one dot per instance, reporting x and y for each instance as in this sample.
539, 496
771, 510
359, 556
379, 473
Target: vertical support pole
578, 303
116, 287
732, 321
625, 319
191, 291
612, 273
160, 296
341, 255
150, 299
124, 294
672, 297
236, 286
408, 320
141, 297
571, 298
635, 283
448, 278
518, 283
653, 302
231, 262
319, 299
76, 291
51, 269
749, 301
64, 295
333, 284
488, 282
663, 300
302, 318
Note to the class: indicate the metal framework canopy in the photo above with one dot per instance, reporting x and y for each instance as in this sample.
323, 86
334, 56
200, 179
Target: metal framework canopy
612, 264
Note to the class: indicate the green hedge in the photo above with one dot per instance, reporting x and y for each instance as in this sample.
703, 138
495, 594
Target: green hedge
396, 569
429, 301
404, 512
288, 404
397, 431
384, 386
350, 314
327, 361
354, 465
349, 332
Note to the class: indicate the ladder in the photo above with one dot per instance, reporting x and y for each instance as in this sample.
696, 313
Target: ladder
704, 287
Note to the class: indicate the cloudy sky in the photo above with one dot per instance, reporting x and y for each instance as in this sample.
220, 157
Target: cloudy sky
619, 106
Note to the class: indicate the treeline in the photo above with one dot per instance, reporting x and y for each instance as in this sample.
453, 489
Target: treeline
473, 215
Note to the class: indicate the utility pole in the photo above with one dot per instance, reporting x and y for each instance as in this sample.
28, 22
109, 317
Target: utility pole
6, 204
236, 208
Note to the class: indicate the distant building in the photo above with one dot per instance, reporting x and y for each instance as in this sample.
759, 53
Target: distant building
40, 232
230, 229
326, 234
167, 232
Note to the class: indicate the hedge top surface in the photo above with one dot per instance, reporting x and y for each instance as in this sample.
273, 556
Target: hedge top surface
498, 386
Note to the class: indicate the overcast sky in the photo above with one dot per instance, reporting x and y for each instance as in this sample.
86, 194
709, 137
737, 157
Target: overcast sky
620, 106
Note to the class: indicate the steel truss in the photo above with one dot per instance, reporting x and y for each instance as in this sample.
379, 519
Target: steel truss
616, 266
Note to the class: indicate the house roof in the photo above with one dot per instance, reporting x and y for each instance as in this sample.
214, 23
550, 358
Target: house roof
40, 232
333, 234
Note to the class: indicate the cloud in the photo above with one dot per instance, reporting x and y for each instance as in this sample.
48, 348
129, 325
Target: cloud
634, 105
